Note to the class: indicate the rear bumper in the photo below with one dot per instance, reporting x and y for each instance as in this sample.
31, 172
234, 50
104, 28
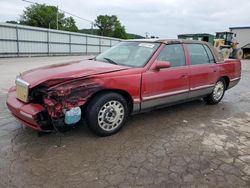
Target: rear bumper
233, 82
24, 112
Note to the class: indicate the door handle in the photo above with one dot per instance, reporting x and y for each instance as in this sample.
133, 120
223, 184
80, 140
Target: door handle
184, 76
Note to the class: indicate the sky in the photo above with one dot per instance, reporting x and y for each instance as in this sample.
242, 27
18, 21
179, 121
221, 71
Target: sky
162, 18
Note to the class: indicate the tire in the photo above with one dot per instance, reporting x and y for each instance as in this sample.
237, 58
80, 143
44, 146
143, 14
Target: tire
237, 53
218, 92
225, 52
106, 114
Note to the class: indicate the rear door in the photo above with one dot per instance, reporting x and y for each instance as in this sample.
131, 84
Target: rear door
168, 85
203, 72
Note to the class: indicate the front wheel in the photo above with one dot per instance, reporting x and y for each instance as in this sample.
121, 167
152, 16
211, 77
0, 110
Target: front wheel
106, 113
217, 94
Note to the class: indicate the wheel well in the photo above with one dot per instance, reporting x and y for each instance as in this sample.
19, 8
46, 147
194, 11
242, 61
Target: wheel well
123, 93
227, 80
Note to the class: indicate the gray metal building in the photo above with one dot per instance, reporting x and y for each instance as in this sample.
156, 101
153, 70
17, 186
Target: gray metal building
18, 40
243, 38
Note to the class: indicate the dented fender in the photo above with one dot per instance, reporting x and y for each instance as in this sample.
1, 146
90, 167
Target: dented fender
69, 94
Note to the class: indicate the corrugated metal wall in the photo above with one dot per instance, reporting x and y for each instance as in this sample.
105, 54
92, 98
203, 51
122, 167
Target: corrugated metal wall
18, 40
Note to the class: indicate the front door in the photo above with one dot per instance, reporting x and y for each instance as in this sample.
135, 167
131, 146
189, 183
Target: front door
167, 85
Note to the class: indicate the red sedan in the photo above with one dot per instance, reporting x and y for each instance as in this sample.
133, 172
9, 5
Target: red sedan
130, 77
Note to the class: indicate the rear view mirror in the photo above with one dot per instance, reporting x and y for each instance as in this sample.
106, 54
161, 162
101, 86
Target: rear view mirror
162, 64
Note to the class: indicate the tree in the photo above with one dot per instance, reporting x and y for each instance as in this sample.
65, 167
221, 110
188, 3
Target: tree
120, 32
110, 26
41, 15
70, 24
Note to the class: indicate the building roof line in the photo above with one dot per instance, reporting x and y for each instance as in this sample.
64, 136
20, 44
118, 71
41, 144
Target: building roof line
246, 46
243, 27
197, 34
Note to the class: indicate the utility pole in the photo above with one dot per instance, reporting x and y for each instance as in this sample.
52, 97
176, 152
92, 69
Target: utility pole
57, 18
92, 28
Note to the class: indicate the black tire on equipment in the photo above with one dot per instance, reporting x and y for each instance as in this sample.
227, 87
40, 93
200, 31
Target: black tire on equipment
237, 53
225, 52
95, 106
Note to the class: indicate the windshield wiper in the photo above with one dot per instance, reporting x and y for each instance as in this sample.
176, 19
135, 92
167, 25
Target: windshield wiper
92, 58
110, 60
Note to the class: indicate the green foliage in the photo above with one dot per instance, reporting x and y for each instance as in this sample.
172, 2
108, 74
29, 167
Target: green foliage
95, 32
70, 24
110, 26
89, 31
41, 15
134, 36
120, 32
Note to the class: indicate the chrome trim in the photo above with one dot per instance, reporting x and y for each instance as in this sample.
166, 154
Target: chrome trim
201, 87
26, 114
163, 101
200, 92
234, 79
165, 94
21, 82
136, 100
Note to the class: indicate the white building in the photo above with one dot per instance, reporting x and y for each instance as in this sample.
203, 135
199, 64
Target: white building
243, 38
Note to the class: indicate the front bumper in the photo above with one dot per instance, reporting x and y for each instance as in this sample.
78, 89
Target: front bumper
24, 112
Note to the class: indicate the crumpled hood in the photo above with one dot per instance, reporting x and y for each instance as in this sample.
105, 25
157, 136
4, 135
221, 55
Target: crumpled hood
71, 70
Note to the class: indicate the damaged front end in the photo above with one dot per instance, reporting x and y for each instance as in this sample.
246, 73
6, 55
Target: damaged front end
63, 102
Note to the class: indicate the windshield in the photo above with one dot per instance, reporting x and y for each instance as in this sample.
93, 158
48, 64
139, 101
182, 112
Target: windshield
226, 36
133, 54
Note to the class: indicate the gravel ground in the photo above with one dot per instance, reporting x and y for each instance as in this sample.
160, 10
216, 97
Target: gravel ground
187, 145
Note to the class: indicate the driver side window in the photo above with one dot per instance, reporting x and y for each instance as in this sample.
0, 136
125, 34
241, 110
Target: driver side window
174, 54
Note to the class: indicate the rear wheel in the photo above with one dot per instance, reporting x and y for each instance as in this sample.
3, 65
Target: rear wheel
218, 92
106, 113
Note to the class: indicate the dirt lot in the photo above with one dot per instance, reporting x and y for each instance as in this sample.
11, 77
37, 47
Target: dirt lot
188, 145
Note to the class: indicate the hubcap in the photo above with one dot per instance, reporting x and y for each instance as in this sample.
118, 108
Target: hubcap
218, 90
111, 115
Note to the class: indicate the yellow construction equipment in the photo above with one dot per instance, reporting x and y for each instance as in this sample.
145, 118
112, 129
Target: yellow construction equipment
226, 44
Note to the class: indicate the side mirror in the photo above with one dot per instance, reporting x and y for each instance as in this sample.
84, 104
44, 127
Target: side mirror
162, 64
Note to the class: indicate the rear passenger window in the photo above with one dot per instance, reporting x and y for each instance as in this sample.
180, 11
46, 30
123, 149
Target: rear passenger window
174, 54
198, 54
210, 55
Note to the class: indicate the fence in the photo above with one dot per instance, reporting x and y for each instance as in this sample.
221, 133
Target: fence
18, 40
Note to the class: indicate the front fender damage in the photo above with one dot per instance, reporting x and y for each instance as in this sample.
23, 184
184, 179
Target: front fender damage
65, 96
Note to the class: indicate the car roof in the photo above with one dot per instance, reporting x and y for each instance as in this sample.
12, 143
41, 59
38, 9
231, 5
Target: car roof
169, 41
180, 41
